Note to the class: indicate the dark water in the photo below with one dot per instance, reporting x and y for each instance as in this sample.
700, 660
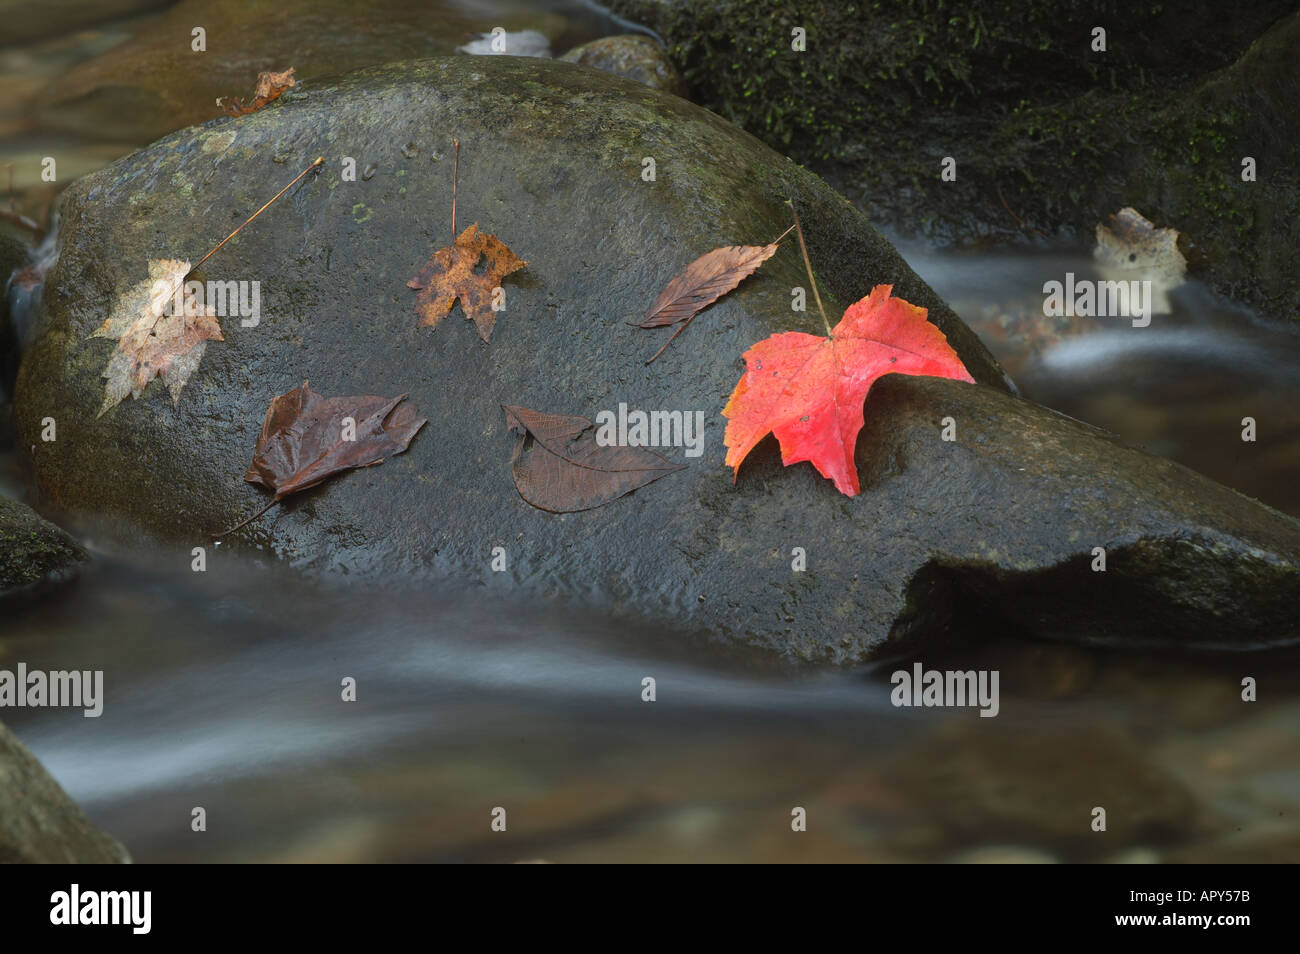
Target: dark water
223, 688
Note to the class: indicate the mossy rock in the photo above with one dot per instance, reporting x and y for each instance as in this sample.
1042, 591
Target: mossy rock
635, 57
34, 554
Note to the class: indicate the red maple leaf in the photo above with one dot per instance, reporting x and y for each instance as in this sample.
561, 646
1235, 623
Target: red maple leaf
809, 391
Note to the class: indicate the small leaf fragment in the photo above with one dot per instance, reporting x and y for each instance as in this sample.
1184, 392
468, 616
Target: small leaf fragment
1130, 248
270, 86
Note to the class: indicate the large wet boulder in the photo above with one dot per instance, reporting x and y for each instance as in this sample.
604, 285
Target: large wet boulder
39, 823
35, 555
1050, 134
551, 161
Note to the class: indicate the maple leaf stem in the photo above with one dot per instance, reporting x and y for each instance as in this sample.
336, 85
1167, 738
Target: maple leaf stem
242, 525
319, 161
779, 238
808, 265
455, 172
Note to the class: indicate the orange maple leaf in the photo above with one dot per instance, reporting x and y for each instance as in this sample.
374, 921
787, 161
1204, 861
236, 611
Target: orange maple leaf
809, 391
450, 274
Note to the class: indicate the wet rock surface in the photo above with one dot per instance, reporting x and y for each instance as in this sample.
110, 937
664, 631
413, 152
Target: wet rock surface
150, 85
24, 23
1004, 518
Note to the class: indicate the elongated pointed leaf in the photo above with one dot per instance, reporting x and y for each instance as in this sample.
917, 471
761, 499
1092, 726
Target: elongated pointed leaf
704, 281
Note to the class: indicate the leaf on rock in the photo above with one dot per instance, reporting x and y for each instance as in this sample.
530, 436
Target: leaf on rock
152, 341
450, 274
558, 465
809, 391
304, 438
270, 86
704, 281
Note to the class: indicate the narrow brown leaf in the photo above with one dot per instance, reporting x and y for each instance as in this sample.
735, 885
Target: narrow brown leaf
704, 281
559, 467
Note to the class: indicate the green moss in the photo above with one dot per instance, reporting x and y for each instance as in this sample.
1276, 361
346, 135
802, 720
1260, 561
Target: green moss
32, 550
1049, 136
873, 64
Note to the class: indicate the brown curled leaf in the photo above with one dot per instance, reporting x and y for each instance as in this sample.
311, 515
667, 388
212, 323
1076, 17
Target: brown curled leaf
270, 86
307, 439
559, 466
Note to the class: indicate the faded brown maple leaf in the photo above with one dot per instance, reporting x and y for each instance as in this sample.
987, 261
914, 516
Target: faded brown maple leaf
270, 86
154, 338
450, 274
